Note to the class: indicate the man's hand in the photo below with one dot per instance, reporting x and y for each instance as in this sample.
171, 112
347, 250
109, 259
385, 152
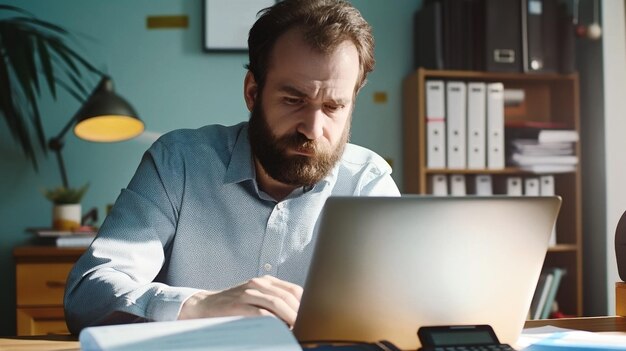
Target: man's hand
262, 296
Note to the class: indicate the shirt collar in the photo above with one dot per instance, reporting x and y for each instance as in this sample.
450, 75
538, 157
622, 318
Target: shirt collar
240, 167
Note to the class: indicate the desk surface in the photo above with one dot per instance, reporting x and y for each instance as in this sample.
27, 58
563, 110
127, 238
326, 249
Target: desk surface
40, 343
70, 343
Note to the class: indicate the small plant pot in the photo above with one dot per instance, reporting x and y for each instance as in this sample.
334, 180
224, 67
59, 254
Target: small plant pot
66, 216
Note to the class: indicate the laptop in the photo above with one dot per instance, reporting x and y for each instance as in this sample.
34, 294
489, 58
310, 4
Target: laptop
385, 266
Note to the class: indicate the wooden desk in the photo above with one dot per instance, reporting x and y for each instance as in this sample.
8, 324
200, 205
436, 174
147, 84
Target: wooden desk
70, 343
592, 324
40, 343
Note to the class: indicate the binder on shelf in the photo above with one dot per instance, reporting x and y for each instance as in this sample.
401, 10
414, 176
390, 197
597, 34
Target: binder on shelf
514, 186
546, 188
483, 185
540, 35
435, 124
532, 35
428, 36
456, 102
503, 36
476, 125
495, 126
495, 35
457, 185
531, 186
439, 184
565, 40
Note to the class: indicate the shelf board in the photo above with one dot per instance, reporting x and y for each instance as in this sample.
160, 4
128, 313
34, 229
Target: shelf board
507, 170
430, 73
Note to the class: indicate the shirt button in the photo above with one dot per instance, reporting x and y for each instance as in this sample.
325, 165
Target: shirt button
268, 267
280, 206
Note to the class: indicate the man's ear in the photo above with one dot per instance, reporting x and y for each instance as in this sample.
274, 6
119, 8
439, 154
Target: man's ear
250, 90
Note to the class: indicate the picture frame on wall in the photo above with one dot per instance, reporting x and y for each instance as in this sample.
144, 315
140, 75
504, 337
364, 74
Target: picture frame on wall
226, 23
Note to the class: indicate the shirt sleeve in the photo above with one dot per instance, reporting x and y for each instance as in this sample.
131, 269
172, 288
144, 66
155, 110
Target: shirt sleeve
113, 281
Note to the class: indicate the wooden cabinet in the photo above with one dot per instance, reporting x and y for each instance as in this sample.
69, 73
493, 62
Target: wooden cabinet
548, 98
41, 272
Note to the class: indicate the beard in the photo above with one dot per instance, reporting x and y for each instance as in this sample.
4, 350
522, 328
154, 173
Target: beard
296, 170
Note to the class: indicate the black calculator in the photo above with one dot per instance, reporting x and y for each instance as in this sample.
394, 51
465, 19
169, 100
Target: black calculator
460, 338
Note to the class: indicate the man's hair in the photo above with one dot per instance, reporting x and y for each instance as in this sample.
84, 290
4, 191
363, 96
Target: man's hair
325, 25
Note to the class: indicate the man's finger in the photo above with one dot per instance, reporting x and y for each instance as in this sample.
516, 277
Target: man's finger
272, 303
288, 292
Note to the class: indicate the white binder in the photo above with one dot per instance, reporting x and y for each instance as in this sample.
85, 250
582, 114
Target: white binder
435, 124
495, 126
456, 114
514, 186
483, 184
457, 185
439, 184
476, 125
531, 186
546, 188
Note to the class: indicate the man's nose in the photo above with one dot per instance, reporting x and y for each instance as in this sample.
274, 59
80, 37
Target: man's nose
312, 123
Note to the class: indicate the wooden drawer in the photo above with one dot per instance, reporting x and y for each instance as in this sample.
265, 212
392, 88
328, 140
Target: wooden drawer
41, 284
41, 321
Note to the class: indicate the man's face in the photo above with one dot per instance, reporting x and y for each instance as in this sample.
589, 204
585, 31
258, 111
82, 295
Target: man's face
300, 121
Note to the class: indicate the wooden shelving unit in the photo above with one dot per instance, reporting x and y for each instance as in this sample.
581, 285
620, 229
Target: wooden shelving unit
548, 97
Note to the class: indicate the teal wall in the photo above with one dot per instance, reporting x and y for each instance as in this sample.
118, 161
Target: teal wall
172, 84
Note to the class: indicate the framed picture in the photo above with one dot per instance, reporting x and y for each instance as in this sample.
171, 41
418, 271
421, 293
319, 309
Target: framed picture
227, 23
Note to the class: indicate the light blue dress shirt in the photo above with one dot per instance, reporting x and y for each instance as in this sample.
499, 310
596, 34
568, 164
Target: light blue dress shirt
193, 218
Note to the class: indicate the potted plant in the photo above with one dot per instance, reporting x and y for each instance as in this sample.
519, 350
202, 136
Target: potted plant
34, 55
66, 210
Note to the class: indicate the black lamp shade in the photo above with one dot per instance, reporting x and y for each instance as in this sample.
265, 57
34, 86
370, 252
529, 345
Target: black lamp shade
107, 117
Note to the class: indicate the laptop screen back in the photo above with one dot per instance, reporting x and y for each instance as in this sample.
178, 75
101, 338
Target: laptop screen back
385, 266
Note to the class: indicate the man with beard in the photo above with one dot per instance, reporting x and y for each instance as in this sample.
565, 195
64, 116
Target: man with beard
222, 221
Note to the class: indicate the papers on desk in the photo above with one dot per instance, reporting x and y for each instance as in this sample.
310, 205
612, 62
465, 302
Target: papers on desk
558, 339
228, 333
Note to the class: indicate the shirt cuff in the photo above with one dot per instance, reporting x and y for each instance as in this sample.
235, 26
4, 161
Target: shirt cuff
167, 303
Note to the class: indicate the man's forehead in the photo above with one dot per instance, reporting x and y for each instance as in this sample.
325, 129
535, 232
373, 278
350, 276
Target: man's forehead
297, 68
292, 51
342, 95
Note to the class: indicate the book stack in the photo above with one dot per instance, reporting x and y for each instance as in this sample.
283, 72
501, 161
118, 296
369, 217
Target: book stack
545, 294
541, 148
64, 238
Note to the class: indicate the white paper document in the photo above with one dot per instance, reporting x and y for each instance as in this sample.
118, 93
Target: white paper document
558, 339
228, 334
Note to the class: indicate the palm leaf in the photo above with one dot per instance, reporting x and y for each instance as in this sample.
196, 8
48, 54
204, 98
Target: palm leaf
31, 49
13, 116
46, 25
16, 9
46, 65
70, 90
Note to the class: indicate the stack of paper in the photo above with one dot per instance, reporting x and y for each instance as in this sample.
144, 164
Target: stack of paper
65, 238
227, 333
558, 339
542, 150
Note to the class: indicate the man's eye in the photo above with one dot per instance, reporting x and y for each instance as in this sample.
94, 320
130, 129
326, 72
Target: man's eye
334, 108
292, 100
